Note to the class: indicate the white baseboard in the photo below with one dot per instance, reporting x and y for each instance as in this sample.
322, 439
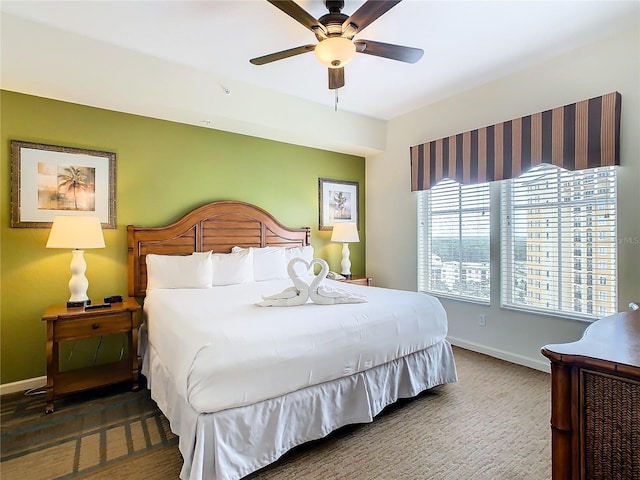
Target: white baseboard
537, 364
23, 385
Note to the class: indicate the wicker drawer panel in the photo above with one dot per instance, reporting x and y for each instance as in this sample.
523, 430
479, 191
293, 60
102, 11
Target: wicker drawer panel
91, 327
611, 432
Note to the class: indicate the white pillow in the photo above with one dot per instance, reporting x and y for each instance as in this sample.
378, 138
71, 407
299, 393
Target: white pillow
232, 268
269, 263
178, 271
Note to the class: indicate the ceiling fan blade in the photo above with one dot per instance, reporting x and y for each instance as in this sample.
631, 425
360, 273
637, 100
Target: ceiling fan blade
300, 15
336, 78
389, 50
369, 12
272, 57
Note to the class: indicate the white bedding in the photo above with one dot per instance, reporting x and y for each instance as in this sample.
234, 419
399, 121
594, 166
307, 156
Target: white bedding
232, 443
223, 351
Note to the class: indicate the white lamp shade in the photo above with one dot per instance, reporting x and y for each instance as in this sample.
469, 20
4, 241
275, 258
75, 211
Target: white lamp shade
335, 52
80, 232
345, 232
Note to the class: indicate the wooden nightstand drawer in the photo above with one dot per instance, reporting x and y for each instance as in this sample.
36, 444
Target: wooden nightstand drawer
74, 329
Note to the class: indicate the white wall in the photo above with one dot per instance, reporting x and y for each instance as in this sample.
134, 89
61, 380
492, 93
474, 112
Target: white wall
605, 66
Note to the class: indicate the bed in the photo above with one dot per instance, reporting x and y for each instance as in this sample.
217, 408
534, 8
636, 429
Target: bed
242, 384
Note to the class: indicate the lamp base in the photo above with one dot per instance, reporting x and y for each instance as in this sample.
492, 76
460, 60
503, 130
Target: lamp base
78, 283
346, 262
78, 304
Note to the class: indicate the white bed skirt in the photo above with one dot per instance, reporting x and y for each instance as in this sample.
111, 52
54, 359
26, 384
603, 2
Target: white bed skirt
232, 443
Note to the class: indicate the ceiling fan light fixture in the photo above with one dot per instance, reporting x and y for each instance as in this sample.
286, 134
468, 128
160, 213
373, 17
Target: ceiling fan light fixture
335, 52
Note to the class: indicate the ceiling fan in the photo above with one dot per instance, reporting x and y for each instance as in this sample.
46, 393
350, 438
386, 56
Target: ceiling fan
335, 32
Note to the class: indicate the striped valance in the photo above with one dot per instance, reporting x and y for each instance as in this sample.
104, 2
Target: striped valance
575, 137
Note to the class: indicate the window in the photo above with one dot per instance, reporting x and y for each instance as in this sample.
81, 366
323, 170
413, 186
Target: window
565, 201
453, 240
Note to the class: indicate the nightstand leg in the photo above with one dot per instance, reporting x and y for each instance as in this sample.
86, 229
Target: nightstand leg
133, 351
52, 366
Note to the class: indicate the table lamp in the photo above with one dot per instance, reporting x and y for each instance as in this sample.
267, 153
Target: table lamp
77, 233
345, 232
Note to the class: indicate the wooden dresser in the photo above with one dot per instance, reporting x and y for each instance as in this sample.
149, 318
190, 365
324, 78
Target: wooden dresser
595, 402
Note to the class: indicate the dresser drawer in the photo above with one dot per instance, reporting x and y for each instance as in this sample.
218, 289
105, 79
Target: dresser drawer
70, 329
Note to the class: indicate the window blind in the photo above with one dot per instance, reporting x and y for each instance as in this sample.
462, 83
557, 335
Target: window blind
558, 242
453, 240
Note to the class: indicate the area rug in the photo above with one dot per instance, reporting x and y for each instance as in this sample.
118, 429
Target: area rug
87, 433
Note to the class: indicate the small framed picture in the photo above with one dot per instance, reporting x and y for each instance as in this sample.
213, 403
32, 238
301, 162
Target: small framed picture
50, 180
338, 202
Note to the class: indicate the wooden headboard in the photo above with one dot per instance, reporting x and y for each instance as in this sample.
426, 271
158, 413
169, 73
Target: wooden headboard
217, 226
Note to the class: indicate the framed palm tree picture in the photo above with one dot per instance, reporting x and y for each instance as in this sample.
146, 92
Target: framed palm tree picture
338, 202
50, 180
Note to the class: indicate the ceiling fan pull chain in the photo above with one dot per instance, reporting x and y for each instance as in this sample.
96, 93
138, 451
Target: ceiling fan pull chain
335, 107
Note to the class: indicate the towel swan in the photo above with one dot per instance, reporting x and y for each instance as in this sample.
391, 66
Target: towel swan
325, 295
292, 296
301, 291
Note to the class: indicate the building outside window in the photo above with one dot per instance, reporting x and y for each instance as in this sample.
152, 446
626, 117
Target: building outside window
565, 200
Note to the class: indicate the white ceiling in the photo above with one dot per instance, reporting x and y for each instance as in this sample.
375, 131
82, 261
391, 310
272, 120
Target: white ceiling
466, 43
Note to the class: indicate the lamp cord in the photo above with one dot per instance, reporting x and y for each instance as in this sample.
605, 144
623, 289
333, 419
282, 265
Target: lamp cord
95, 355
36, 391
124, 338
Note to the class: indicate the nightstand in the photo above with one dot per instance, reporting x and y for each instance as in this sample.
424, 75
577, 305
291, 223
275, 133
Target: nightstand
69, 324
359, 280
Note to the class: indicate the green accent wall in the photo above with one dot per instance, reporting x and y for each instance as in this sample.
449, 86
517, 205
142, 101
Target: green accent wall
164, 170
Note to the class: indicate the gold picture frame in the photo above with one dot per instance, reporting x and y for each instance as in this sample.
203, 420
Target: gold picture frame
50, 180
338, 202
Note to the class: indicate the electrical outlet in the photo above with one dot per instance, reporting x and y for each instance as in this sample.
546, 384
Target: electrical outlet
482, 320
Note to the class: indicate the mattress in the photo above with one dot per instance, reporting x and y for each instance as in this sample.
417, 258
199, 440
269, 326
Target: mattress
223, 351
